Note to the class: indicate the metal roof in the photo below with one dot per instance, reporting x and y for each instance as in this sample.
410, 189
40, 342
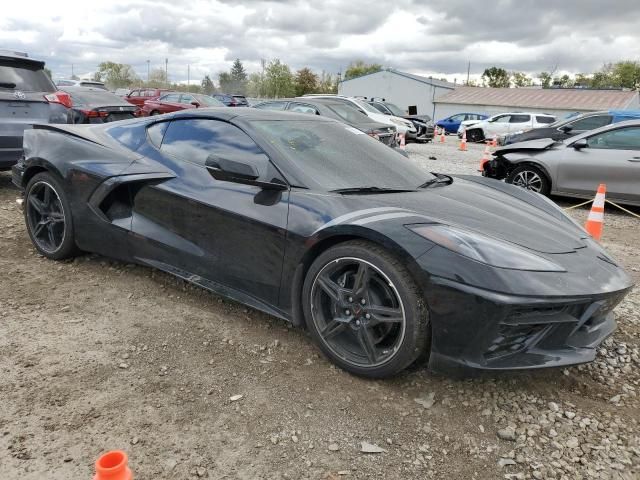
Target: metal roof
417, 78
550, 98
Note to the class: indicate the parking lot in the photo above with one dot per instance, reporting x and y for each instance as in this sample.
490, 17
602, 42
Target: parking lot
97, 355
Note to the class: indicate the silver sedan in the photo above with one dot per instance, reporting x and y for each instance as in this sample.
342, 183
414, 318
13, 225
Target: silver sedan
576, 166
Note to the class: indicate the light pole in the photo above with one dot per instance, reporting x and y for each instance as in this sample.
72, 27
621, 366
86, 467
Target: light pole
148, 67
166, 71
188, 78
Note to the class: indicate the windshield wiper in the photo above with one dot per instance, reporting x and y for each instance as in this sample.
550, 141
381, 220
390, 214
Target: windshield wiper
365, 190
439, 179
7, 85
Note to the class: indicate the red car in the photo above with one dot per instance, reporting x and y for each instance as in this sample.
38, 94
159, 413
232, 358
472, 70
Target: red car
174, 101
141, 95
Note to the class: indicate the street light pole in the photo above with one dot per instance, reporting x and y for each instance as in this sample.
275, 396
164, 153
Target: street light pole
188, 78
166, 71
148, 70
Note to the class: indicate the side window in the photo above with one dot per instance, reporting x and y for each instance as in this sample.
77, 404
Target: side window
272, 106
457, 118
194, 140
155, 133
520, 118
618, 139
186, 99
502, 119
589, 123
300, 108
544, 119
171, 98
135, 93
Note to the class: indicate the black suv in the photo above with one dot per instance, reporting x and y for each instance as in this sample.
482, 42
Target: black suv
27, 96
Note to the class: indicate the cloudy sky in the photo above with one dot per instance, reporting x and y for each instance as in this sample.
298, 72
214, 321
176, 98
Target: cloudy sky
410, 35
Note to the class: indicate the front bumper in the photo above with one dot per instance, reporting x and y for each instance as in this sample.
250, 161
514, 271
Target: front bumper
478, 330
17, 174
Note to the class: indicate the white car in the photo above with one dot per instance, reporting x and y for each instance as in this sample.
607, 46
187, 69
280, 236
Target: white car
402, 125
504, 124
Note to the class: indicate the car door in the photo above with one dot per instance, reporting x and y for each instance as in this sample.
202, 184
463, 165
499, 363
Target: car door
611, 157
498, 125
170, 103
228, 233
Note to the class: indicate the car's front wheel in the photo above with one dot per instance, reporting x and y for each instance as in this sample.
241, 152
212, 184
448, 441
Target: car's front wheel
475, 135
48, 217
531, 178
364, 310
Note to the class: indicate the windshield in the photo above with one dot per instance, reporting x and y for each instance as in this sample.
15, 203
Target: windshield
336, 156
348, 113
81, 96
26, 77
364, 105
208, 101
396, 110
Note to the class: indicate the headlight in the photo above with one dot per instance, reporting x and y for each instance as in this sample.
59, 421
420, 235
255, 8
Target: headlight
481, 248
403, 123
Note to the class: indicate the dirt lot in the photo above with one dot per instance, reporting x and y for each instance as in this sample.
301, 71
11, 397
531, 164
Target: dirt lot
98, 355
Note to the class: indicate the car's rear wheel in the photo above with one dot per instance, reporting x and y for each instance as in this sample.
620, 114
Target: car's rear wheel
48, 217
530, 177
364, 310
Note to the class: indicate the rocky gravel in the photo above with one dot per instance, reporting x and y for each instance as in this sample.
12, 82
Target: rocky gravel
96, 354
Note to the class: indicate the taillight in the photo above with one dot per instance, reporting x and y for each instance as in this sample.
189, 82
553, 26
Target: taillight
95, 114
62, 98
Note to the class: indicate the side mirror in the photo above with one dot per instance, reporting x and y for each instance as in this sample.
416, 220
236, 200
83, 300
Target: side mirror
195, 104
238, 171
566, 128
580, 144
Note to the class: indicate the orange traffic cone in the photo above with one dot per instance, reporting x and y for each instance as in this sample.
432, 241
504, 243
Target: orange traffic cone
113, 466
435, 133
494, 141
486, 156
595, 221
442, 134
463, 141
402, 141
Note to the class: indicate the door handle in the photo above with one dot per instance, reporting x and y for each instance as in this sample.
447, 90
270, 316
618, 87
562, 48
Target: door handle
634, 159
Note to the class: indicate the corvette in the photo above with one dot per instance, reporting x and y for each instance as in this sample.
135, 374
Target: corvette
312, 221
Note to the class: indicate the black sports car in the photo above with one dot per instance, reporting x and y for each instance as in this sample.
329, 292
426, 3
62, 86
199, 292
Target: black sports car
317, 223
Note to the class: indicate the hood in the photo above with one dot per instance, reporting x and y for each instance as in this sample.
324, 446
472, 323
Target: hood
422, 118
499, 211
538, 144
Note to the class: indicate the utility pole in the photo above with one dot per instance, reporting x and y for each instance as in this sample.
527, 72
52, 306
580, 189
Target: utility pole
148, 67
166, 71
188, 78
72, 71
468, 71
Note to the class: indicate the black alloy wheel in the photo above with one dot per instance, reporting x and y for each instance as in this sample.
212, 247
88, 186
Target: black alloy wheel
364, 312
48, 219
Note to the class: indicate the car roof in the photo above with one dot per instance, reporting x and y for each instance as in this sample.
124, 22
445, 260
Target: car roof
19, 57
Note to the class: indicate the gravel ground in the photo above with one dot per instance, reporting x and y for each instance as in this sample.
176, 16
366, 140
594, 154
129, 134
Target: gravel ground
96, 355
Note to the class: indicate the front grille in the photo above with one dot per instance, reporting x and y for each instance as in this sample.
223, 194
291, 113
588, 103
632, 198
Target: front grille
513, 339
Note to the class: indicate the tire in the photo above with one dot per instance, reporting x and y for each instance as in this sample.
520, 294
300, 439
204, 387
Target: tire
530, 177
47, 215
374, 328
475, 135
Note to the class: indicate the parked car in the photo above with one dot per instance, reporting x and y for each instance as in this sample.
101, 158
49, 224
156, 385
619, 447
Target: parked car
422, 123
81, 83
231, 100
505, 124
575, 166
122, 92
340, 111
404, 127
174, 101
94, 105
574, 125
452, 124
385, 263
138, 96
27, 96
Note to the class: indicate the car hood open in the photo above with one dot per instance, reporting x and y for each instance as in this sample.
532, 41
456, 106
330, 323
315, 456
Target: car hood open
492, 210
537, 144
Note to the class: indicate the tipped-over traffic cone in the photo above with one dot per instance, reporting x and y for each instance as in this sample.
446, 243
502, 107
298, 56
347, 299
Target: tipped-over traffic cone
442, 135
463, 141
595, 221
486, 156
403, 142
113, 466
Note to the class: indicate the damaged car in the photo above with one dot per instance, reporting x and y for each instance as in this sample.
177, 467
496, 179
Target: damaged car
574, 167
310, 220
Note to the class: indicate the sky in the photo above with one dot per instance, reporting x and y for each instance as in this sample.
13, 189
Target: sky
428, 38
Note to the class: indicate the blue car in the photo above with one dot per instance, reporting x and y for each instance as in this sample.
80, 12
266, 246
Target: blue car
452, 123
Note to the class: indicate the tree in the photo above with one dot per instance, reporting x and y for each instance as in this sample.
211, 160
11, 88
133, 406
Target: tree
226, 82
520, 79
563, 82
495, 77
207, 85
238, 78
254, 85
360, 68
626, 74
278, 81
306, 81
545, 79
327, 84
117, 75
157, 78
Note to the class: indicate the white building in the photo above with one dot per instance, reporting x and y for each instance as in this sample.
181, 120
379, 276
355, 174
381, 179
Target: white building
403, 89
555, 101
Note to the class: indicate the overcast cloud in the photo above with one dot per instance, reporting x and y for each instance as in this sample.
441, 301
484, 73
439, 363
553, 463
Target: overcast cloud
527, 35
